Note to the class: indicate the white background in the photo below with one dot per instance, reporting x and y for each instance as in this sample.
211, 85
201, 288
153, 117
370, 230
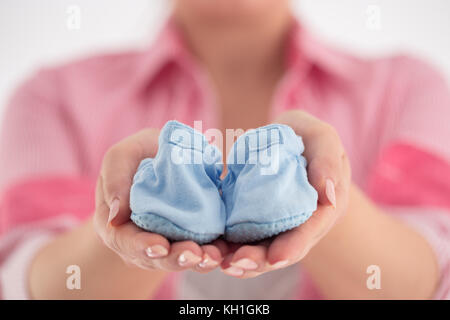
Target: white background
35, 33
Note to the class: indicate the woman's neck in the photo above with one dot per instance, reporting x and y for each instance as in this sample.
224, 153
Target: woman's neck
245, 50
244, 63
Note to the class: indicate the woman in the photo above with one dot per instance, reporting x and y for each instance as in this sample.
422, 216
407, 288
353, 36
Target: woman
230, 64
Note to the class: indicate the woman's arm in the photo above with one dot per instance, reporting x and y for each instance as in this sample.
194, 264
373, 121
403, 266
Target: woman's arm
104, 275
347, 233
109, 244
37, 140
367, 236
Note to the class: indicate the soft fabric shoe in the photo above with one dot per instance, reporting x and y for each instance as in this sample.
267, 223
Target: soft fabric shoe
179, 194
176, 194
266, 190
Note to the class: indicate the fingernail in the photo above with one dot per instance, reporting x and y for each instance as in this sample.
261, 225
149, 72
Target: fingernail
188, 258
113, 209
207, 262
234, 271
280, 264
331, 193
246, 264
156, 251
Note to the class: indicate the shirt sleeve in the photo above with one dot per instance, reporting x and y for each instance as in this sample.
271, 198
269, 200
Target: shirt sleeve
37, 135
411, 177
434, 225
32, 213
18, 249
420, 110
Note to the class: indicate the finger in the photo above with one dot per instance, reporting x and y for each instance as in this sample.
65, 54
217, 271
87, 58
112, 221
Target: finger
107, 233
119, 239
228, 269
246, 258
183, 255
293, 245
211, 259
344, 185
101, 210
223, 247
235, 271
151, 245
128, 240
137, 247
287, 248
143, 246
323, 152
99, 196
300, 121
119, 166
324, 156
250, 257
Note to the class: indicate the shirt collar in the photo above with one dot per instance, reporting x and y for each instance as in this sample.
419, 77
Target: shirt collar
169, 48
304, 52
307, 52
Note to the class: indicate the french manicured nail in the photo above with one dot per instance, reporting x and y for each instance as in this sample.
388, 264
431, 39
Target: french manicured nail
330, 191
207, 262
234, 271
156, 251
188, 258
245, 264
280, 264
113, 209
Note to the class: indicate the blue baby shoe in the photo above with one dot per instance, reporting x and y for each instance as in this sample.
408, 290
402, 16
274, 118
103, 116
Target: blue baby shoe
176, 194
179, 194
266, 190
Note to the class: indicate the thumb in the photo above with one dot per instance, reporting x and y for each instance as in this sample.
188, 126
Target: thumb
118, 169
322, 178
116, 190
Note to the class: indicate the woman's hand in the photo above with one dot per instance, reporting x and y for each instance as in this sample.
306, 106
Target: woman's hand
329, 173
112, 216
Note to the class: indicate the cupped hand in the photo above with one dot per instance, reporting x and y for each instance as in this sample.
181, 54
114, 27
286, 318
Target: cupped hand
112, 215
329, 173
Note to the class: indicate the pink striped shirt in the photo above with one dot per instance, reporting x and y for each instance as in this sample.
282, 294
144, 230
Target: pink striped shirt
391, 113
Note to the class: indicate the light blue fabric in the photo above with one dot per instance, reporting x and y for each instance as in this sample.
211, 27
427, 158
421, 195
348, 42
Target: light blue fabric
266, 190
179, 194
176, 194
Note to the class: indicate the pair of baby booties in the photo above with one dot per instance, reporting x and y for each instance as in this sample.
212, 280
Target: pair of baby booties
179, 193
